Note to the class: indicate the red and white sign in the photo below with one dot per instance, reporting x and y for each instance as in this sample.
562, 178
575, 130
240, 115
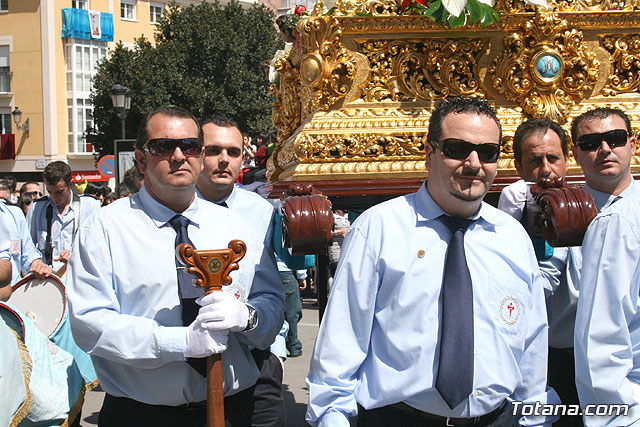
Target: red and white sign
88, 176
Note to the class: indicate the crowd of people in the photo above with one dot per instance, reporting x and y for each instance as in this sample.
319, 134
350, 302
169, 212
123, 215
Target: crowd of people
444, 310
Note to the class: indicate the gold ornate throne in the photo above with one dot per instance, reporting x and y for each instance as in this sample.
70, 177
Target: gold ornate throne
355, 93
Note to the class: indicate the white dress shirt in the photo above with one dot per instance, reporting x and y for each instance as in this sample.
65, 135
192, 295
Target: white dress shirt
379, 340
258, 214
125, 305
562, 271
607, 328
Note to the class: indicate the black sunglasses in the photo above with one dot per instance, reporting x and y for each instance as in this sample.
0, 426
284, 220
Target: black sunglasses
592, 141
460, 149
166, 146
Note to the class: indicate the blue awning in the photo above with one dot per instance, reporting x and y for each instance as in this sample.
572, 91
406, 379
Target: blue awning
76, 24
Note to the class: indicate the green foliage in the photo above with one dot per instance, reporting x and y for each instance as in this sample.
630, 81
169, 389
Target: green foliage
474, 12
207, 58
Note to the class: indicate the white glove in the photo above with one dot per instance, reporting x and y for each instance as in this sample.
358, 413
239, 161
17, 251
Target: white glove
222, 311
201, 342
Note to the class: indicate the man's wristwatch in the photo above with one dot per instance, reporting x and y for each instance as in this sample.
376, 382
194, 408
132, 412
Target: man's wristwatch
253, 318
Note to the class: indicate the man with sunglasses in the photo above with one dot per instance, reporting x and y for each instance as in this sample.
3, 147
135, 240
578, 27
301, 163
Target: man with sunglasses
135, 309
605, 336
437, 314
540, 149
222, 163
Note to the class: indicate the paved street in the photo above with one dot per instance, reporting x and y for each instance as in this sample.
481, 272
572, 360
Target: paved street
295, 372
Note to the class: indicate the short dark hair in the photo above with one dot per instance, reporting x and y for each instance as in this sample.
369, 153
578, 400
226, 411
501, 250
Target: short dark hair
222, 121
23, 187
132, 175
598, 113
94, 189
57, 171
172, 111
457, 105
539, 126
123, 190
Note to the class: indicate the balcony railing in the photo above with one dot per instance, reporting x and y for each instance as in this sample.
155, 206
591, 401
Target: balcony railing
5, 81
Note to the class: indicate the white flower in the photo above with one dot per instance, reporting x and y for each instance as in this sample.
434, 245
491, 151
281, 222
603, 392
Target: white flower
280, 54
454, 7
490, 2
327, 5
541, 3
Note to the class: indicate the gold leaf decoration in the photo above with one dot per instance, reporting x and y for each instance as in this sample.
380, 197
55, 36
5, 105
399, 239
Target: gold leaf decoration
360, 147
625, 61
545, 67
421, 69
327, 68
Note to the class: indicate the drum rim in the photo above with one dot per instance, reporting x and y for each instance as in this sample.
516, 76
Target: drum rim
24, 333
32, 276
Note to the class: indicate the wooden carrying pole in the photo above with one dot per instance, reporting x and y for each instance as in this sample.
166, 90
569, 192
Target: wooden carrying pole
212, 268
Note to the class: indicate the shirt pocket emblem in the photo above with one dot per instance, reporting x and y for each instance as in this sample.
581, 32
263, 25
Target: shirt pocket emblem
510, 310
237, 291
15, 247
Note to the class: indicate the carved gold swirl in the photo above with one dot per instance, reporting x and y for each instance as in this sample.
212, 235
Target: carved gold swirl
372, 7
360, 147
625, 61
359, 170
421, 69
327, 68
287, 105
511, 6
514, 74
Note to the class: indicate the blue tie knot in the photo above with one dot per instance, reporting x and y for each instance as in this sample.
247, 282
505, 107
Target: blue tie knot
179, 222
455, 223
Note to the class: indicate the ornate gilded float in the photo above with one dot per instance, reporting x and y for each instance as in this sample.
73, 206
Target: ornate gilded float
355, 93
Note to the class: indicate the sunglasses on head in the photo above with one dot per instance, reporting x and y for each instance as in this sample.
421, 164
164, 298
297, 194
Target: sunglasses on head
592, 141
460, 149
166, 146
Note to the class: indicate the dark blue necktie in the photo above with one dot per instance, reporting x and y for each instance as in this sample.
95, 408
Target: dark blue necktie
188, 292
455, 370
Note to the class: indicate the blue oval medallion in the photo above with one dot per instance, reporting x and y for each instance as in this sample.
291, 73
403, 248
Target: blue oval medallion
548, 66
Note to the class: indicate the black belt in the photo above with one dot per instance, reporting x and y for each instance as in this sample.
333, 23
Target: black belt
448, 421
184, 406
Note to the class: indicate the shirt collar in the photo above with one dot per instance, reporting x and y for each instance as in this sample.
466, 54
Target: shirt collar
427, 209
604, 199
229, 199
160, 214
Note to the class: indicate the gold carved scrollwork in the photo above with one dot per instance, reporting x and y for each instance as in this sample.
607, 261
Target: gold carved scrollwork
373, 7
287, 105
360, 146
569, 5
421, 69
546, 69
625, 62
327, 68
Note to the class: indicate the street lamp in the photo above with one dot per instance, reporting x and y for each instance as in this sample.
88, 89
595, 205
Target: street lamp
121, 98
17, 118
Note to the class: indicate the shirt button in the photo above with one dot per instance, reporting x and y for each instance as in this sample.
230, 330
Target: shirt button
475, 393
475, 352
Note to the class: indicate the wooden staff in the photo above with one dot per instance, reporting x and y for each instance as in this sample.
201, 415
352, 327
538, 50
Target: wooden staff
212, 268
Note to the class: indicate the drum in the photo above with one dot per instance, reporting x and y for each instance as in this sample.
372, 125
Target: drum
42, 301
